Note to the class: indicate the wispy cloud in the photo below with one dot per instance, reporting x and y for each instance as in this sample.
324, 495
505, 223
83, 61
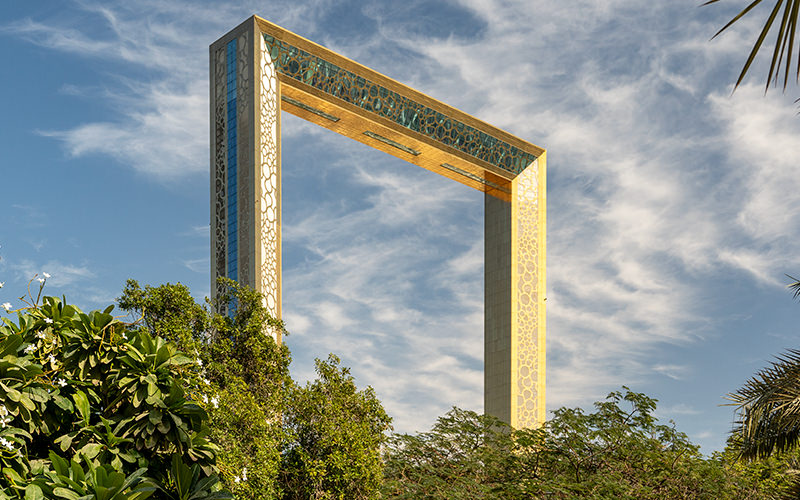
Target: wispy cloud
197, 265
675, 372
60, 274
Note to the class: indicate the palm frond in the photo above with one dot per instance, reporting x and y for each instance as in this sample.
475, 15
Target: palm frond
795, 285
769, 408
784, 43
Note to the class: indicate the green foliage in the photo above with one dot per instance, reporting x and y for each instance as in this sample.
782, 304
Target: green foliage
618, 451
187, 483
88, 388
337, 432
242, 380
276, 440
463, 456
771, 477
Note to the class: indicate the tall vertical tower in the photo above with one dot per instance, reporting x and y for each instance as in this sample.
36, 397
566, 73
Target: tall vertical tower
259, 69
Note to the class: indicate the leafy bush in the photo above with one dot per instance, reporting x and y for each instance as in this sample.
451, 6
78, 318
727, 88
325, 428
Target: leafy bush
90, 406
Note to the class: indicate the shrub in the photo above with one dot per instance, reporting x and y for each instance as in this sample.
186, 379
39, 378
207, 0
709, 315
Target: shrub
89, 404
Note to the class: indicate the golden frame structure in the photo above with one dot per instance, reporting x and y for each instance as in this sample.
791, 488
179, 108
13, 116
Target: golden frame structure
259, 69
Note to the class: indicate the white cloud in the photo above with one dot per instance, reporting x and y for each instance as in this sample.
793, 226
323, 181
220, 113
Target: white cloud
675, 372
197, 265
61, 274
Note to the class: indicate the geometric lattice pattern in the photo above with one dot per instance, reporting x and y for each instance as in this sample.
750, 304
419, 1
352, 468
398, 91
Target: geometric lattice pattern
259, 69
370, 96
244, 181
219, 205
269, 185
527, 331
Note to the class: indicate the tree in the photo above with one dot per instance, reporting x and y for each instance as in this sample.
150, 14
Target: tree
618, 451
276, 439
784, 43
768, 416
768, 413
244, 379
337, 432
769, 477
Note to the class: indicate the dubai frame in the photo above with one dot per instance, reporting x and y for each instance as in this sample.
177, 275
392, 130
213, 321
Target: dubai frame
259, 69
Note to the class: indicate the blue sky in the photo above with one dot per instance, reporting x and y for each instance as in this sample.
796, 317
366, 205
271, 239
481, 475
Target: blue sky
670, 202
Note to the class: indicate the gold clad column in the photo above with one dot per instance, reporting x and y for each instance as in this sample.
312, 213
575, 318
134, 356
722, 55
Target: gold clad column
268, 213
514, 321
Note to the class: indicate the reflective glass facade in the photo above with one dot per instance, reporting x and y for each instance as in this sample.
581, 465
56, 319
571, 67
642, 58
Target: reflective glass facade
233, 253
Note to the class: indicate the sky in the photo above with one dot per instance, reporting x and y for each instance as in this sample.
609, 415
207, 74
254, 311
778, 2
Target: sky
670, 198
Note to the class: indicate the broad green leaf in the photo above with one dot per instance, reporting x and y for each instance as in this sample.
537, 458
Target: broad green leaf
37, 394
12, 394
12, 474
155, 416
62, 492
10, 345
65, 441
63, 403
91, 450
33, 492
27, 403
82, 404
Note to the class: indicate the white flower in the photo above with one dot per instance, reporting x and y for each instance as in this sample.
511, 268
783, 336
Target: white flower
2, 283
244, 473
30, 349
199, 362
40, 280
48, 321
41, 335
61, 382
235, 479
204, 398
205, 380
215, 402
6, 306
51, 359
45, 275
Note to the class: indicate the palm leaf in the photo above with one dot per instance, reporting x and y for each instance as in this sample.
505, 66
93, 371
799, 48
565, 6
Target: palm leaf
795, 285
784, 42
769, 409
769, 405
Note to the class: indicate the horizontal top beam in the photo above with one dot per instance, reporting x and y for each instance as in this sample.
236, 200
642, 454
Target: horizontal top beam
325, 87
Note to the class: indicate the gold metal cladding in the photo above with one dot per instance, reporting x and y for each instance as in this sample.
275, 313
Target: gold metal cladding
527, 296
305, 107
355, 119
474, 177
392, 143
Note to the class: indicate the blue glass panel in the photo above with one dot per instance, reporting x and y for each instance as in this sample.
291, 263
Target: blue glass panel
233, 233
